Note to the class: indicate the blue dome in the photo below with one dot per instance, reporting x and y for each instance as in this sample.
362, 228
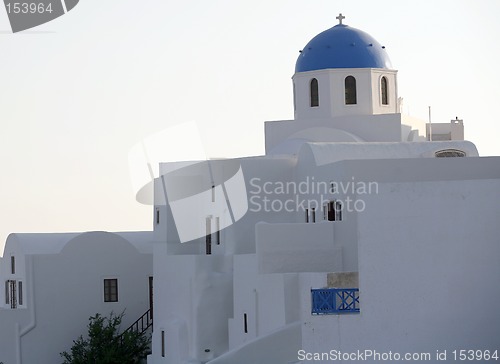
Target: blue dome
342, 47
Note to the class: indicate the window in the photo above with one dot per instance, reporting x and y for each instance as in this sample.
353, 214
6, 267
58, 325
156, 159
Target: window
446, 153
7, 292
162, 343
334, 211
13, 265
333, 187
338, 210
111, 290
20, 293
217, 230
208, 236
151, 296
313, 214
307, 215
331, 211
157, 216
314, 93
245, 323
384, 91
13, 294
350, 90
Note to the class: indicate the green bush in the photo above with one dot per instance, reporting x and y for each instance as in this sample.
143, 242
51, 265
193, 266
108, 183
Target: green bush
105, 345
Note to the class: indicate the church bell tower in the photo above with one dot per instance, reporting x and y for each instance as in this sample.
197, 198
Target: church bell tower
343, 71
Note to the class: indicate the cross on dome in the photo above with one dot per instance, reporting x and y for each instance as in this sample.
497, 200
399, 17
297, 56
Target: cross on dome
340, 18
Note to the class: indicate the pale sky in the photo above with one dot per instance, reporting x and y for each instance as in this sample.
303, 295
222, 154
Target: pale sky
79, 92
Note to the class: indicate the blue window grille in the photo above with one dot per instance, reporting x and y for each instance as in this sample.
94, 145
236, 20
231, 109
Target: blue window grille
334, 301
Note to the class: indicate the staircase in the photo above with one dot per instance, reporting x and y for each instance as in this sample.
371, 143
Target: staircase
141, 324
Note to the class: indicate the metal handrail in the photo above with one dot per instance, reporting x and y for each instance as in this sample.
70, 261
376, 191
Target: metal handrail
144, 322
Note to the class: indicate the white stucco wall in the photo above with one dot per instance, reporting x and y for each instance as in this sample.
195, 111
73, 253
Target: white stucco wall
64, 289
272, 298
13, 252
428, 271
13, 321
415, 128
392, 91
238, 237
192, 306
369, 128
327, 153
270, 302
298, 247
331, 87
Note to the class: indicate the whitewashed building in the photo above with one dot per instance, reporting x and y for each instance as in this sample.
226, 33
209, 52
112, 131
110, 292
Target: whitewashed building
55, 282
361, 229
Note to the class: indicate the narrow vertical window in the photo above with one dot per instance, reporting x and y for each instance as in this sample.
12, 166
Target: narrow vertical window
333, 188
350, 90
384, 91
13, 265
157, 216
217, 230
13, 294
208, 236
314, 93
162, 343
307, 215
245, 323
7, 298
111, 290
338, 210
151, 297
313, 214
331, 211
20, 293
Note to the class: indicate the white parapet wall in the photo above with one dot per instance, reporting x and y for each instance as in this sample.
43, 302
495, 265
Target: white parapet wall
299, 247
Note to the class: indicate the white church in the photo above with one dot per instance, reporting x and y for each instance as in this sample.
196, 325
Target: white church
361, 234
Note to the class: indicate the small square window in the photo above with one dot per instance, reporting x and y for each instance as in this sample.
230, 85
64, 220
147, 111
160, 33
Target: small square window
111, 290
